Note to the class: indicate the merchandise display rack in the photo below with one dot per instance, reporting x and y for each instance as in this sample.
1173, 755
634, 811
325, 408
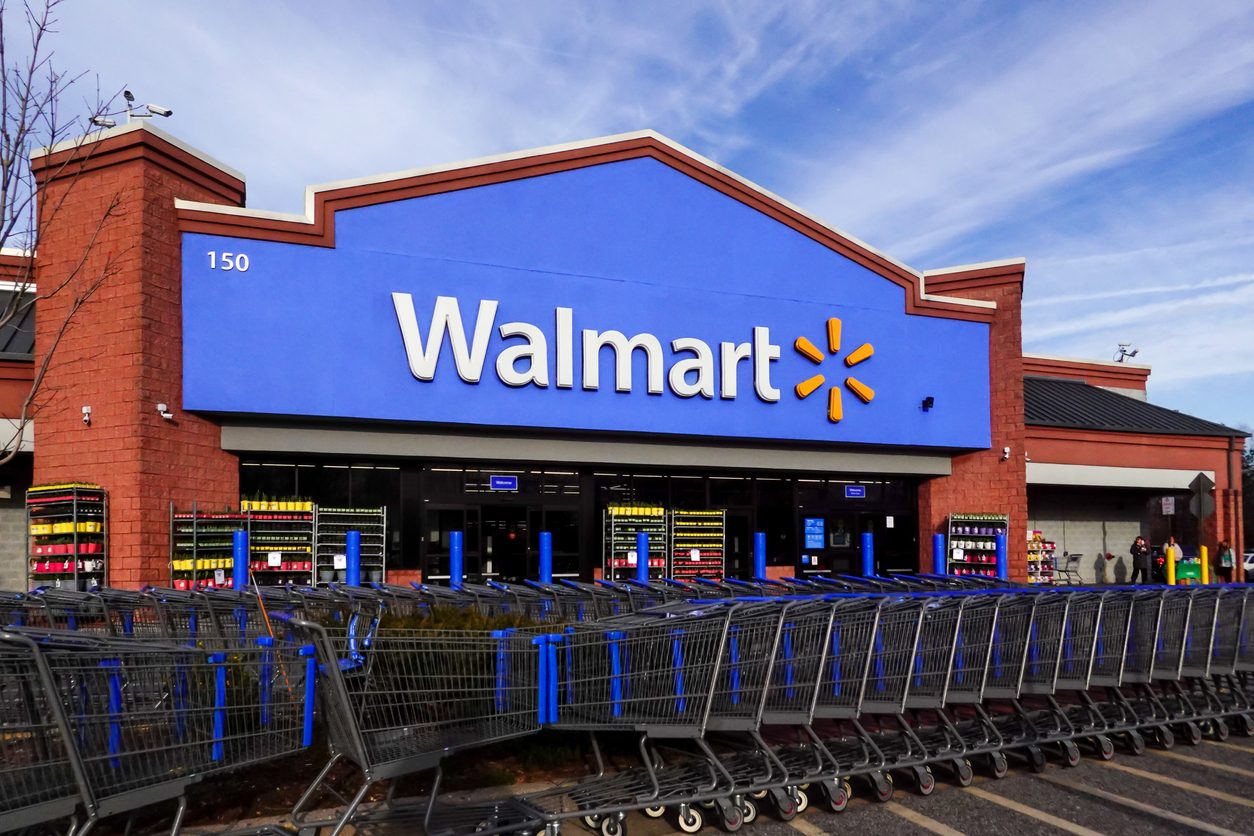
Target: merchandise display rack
973, 543
280, 544
698, 543
67, 533
1040, 558
621, 525
202, 546
333, 525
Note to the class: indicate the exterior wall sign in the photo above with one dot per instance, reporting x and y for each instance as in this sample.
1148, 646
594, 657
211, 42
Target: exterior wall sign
855, 491
621, 297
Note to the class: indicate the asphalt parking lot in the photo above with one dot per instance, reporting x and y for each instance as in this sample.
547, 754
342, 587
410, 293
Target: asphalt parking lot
1204, 789
1207, 788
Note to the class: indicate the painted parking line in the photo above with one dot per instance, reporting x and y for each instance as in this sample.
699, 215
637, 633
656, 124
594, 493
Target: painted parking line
801, 825
1222, 767
921, 821
1181, 785
1139, 806
1249, 750
1032, 812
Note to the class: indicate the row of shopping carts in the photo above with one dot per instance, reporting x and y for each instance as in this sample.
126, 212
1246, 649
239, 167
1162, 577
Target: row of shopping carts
741, 698
115, 701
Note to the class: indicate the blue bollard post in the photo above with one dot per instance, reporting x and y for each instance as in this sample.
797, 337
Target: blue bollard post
759, 555
352, 557
868, 554
642, 557
940, 561
546, 557
1003, 559
239, 553
455, 559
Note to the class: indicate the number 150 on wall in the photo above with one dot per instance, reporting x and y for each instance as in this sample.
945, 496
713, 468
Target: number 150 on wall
228, 262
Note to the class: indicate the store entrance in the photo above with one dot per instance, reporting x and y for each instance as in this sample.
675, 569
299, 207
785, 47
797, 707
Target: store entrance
506, 542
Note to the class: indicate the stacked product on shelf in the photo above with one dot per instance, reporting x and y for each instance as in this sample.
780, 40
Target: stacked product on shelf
333, 525
698, 540
1040, 558
621, 525
280, 541
973, 543
202, 547
280, 544
68, 542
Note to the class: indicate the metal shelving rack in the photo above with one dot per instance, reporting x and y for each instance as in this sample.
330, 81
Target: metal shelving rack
333, 524
620, 525
972, 544
281, 543
201, 546
78, 512
698, 540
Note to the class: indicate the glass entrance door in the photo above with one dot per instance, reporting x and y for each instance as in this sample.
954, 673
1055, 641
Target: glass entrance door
507, 543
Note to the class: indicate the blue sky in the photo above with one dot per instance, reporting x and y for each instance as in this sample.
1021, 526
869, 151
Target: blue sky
1109, 143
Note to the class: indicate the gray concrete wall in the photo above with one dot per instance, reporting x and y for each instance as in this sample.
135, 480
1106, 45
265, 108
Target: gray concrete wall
1091, 523
12, 545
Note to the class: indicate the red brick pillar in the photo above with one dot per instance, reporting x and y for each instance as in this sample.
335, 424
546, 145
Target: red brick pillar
981, 482
122, 353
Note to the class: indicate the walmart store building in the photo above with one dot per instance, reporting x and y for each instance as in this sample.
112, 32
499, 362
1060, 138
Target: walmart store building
525, 342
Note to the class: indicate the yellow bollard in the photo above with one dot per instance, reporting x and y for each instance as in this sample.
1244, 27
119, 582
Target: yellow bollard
1171, 567
1203, 554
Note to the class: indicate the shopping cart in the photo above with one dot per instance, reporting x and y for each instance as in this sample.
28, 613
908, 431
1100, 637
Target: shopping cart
407, 699
141, 720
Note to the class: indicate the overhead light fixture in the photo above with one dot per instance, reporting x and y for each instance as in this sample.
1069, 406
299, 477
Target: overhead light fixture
103, 122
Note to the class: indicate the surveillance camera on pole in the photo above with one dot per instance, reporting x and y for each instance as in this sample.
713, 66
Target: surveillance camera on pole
1124, 353
149, 110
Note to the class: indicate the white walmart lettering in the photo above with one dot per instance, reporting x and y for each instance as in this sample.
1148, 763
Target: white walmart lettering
524, 359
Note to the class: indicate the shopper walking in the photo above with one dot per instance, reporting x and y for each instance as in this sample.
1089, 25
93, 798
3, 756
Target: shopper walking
1140, 552
1227, 562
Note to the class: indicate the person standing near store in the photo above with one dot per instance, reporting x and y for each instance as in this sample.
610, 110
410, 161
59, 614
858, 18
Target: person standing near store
1227, 562
1140, 552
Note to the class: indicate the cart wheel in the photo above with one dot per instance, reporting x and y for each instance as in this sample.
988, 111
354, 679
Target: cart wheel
998, 766
785, 806
1165, 737
1219, 729
1071, 753
924, 780
759, 795
1245, 725
835, 795
593, 822
654, 812
1135, 742
613, 826
730, 818
749, 810
690, 819
1192, 733
1105, 747
881, 786
963, 773
1036, 759
801, 798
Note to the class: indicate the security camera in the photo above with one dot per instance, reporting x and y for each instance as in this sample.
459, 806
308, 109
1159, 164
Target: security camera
1005, 453
164, 411
87, 415
159, 110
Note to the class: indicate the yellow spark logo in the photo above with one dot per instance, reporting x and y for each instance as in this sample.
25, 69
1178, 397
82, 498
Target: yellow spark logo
807, 387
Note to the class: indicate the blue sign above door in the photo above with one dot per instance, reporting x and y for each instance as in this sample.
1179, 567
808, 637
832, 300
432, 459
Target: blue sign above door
627, 296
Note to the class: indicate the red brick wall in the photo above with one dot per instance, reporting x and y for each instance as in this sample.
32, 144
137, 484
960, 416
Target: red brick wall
123, 352
15, 380
981, 482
